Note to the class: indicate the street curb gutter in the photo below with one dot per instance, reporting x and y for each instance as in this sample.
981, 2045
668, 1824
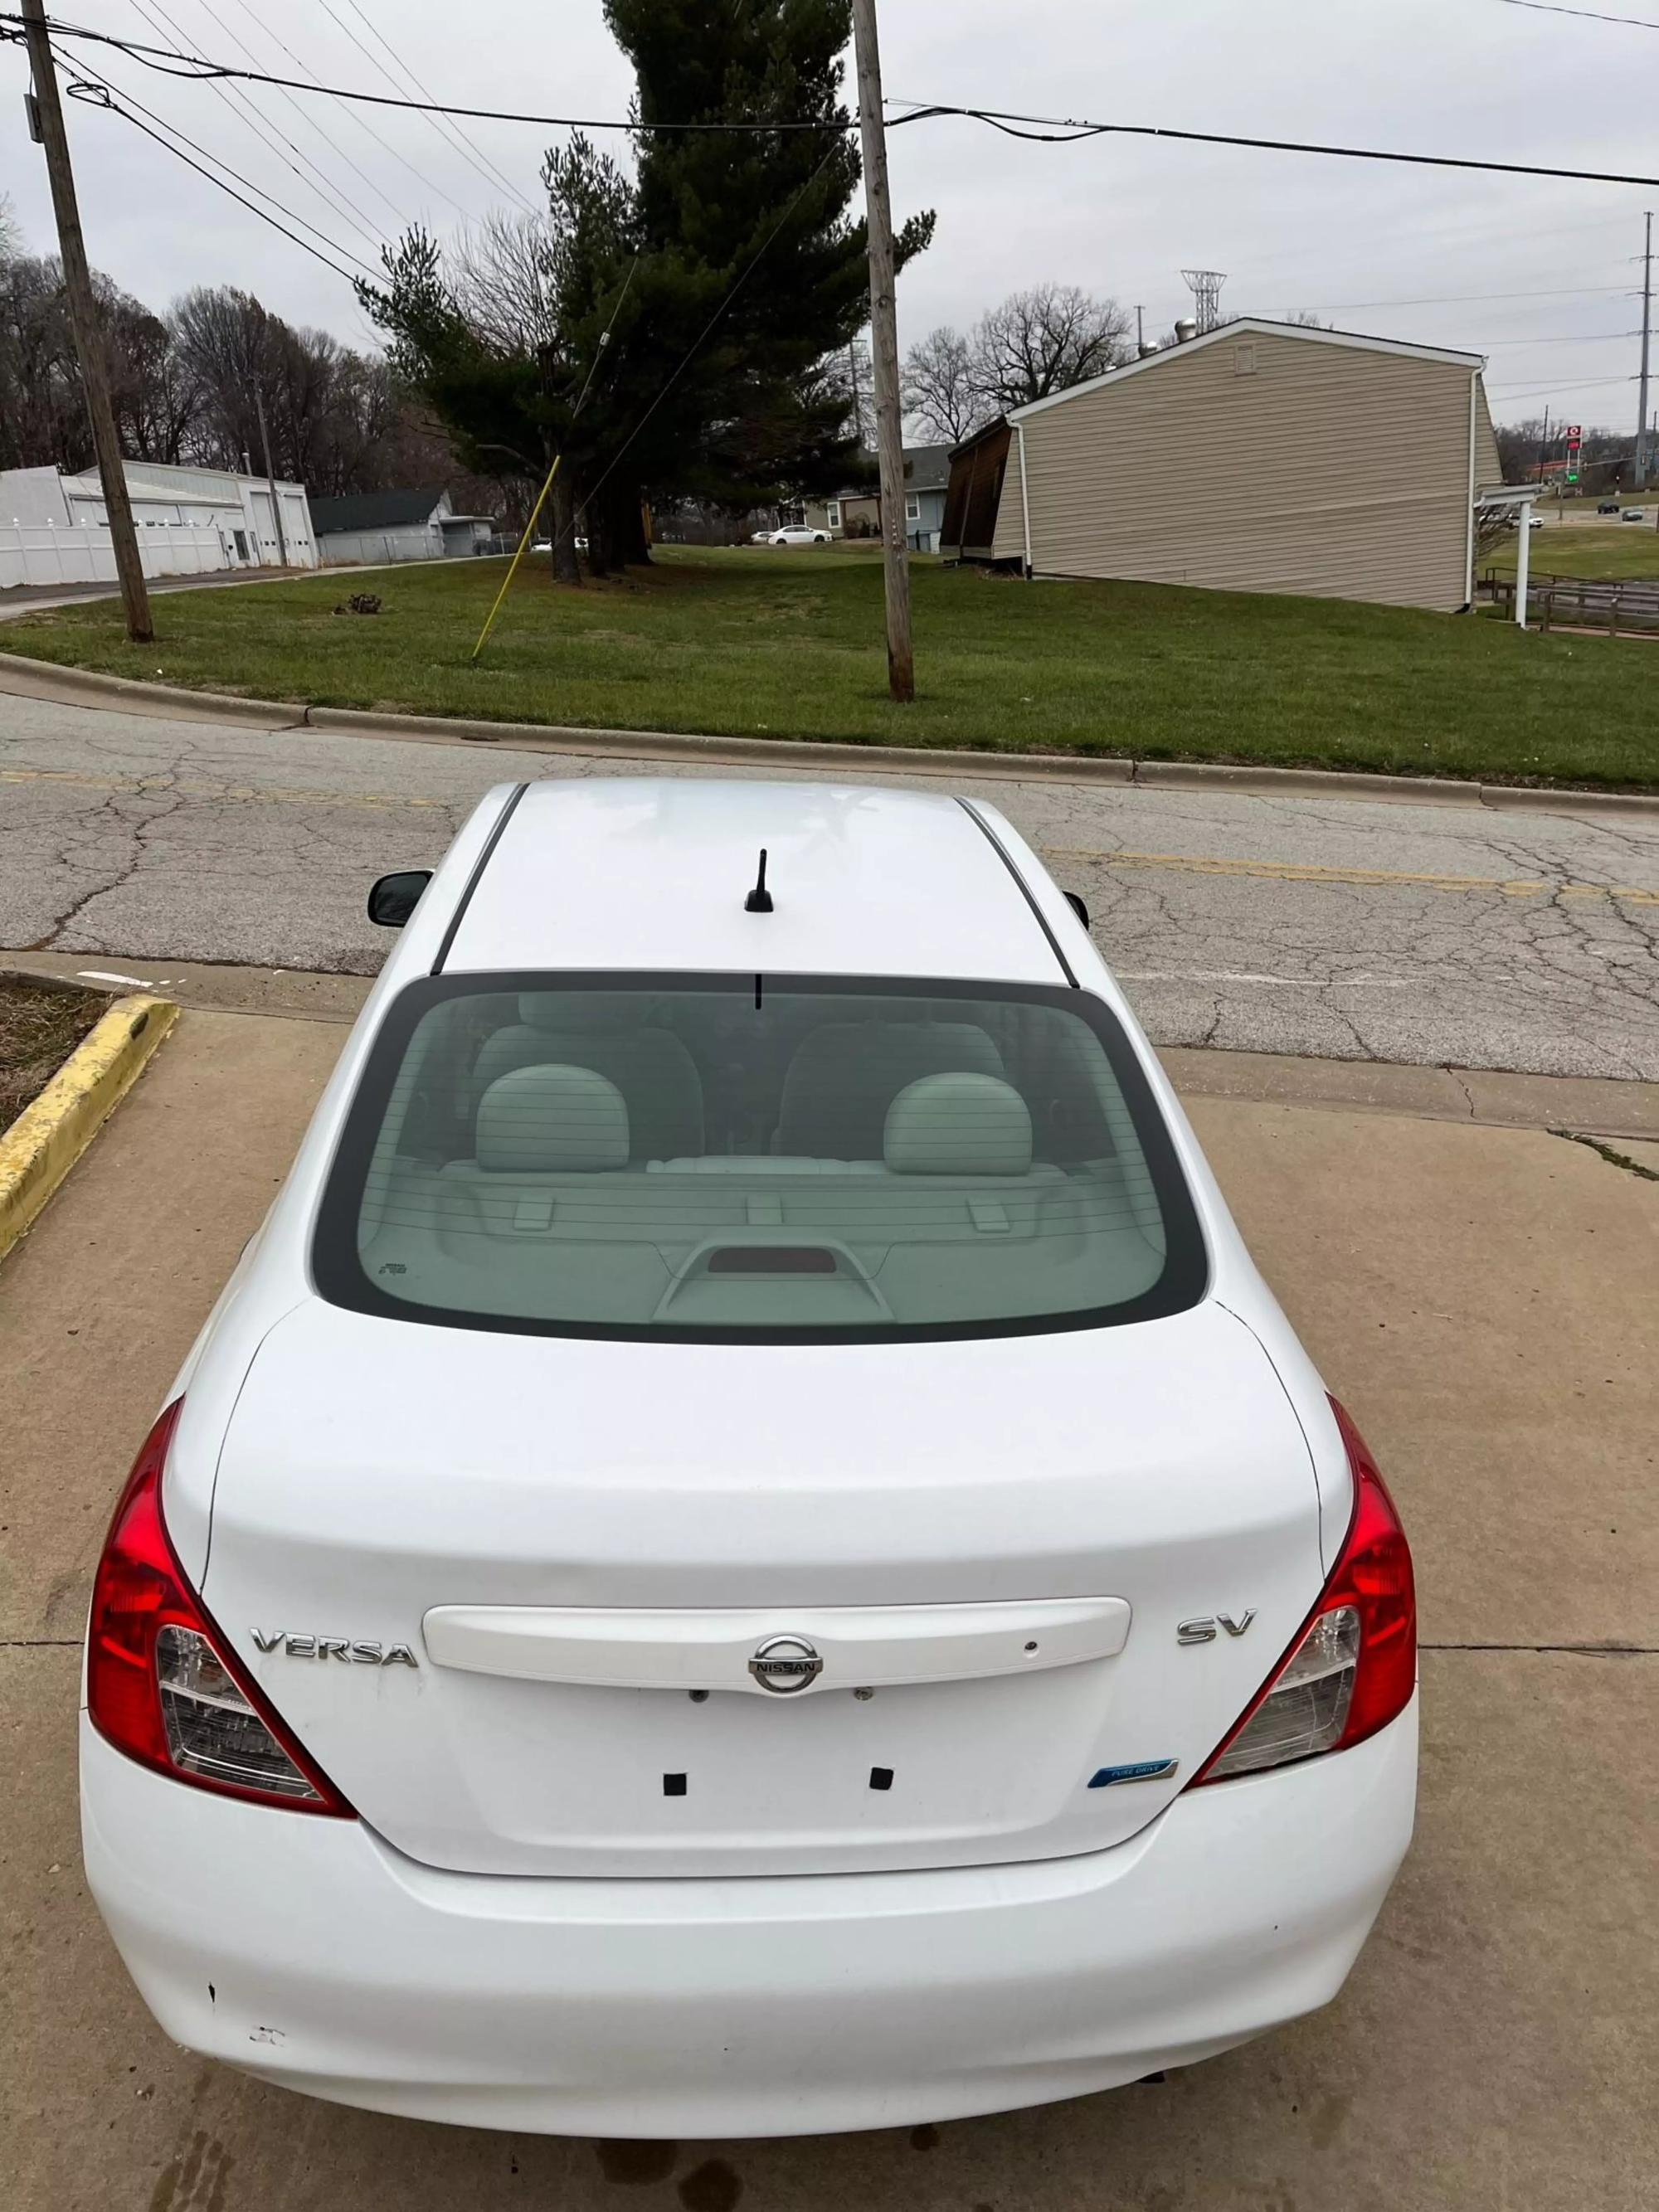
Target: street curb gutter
47, 1137
45, 678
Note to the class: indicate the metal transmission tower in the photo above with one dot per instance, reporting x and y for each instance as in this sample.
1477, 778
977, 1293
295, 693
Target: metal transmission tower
1204, 285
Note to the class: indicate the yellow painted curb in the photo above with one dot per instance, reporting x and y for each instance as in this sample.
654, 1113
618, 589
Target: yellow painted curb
47, 1137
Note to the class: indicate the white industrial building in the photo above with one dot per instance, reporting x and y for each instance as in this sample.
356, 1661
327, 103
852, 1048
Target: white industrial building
54, 529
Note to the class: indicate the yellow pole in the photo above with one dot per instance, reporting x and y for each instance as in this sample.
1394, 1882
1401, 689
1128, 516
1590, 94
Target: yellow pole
513, 568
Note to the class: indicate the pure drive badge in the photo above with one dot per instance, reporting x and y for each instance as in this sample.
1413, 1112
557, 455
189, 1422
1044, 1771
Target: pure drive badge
355, 1651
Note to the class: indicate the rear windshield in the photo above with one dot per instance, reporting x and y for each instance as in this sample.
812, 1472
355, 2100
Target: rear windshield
702, 1158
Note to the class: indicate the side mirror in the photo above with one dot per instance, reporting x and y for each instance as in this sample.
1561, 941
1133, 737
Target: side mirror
395, 897
1071, 901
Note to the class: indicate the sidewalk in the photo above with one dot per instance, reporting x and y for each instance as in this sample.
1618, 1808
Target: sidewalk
1481, 1297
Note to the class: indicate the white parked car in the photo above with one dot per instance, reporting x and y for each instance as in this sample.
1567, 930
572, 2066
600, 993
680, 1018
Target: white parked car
745, 1551
793, 533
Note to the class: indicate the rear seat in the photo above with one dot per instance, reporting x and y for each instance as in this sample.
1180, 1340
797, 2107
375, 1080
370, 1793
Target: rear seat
649, 1066
550, 1216
845, 1075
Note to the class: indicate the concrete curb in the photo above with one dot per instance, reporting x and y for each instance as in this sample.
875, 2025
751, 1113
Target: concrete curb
46, 679
47, 1137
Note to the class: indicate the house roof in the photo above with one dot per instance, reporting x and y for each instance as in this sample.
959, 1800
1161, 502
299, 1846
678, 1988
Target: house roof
978, 437
1245, 325
374, 510
926, 468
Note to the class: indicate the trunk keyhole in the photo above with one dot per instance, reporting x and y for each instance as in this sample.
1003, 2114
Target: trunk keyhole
673, 1785
881, 1778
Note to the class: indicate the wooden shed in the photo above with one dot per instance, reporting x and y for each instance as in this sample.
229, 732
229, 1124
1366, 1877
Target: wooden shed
1260, 457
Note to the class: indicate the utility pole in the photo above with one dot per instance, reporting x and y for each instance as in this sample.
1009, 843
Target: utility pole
271, 479
883, 353
1646, 318
86, 326
1543, 443
1140, 333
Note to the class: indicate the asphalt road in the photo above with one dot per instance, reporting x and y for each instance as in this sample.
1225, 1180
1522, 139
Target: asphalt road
1347, 929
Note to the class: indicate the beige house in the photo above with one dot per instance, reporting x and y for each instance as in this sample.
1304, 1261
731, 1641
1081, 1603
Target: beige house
1260, 457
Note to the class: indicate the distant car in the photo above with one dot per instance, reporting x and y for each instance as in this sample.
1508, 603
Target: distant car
1535, 522
1606, 506
796, 533
1634, 515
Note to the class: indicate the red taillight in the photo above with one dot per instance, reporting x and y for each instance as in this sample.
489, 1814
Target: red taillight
161, 1684
1352, 1666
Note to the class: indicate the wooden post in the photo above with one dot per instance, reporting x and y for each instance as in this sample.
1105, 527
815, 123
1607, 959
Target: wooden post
270, 480
87, 327
883, 353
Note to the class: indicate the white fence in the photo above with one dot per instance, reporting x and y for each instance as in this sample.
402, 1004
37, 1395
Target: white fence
42, 554
355, 548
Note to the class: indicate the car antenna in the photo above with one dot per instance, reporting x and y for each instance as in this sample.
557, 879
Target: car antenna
759, 900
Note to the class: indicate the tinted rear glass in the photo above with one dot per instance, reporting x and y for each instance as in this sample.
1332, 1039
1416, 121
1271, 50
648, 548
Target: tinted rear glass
727, 1157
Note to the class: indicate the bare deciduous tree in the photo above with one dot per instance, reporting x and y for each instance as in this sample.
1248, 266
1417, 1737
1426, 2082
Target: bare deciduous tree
1037, 343
940, 388
505, 279
1046, 339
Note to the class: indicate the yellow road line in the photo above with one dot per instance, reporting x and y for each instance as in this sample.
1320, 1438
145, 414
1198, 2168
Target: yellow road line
1198, 864
1296, 872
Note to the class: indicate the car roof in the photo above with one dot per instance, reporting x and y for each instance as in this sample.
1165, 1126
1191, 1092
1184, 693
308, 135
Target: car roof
643, 873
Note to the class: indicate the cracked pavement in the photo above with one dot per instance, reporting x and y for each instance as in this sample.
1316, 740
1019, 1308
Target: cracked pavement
1420, 933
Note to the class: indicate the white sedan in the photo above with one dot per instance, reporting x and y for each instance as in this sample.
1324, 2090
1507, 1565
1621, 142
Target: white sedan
745, 1552
791, 533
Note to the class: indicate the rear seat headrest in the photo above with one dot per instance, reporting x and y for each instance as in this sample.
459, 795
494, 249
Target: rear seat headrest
974, 1125
551, 1121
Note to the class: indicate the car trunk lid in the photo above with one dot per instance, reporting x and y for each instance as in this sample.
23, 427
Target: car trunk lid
539, 1606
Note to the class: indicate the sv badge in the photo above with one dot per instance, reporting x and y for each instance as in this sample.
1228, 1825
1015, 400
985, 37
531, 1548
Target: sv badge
1202, 1628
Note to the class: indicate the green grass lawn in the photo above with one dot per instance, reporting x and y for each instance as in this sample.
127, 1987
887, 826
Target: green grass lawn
766, 643
1587, 548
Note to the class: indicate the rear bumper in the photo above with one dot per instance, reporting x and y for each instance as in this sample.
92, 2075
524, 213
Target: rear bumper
309, 1951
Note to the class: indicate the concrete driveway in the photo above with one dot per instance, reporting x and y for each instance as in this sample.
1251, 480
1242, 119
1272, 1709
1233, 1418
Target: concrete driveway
1481, 1296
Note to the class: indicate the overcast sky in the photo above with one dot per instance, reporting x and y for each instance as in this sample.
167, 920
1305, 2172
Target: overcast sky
1422, 255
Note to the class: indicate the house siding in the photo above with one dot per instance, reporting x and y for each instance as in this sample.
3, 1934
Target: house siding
1330, 470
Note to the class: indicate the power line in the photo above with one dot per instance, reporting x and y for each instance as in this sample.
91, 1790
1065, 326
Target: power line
361, 121
1568, 384
1461, 298
263, 129
304, 245
1065, 130
1047, 129
454, 136
306, 117
78, 89
1584, 14
1588, 337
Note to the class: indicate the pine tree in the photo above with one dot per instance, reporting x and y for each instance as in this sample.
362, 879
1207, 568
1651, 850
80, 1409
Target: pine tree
680, 332
760, 413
